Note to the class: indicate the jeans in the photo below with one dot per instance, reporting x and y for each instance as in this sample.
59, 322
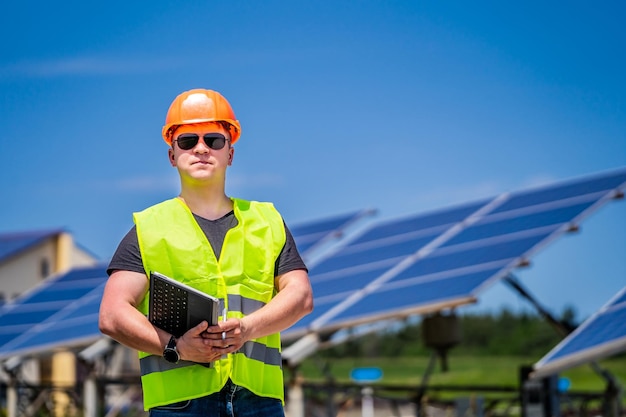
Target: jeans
231, 401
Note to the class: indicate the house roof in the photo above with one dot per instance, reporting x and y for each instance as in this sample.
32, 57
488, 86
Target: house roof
14, 243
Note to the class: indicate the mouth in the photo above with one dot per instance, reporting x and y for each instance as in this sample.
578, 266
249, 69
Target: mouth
201, 162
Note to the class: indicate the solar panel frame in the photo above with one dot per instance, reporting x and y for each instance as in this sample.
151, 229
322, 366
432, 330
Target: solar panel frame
489, 227
606, 181
395, 307
556, 209
600, 336
430, 265
451, 220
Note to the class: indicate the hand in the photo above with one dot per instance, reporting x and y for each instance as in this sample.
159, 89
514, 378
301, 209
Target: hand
204, 343
227, 335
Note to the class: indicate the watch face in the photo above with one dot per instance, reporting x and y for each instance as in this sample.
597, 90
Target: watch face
171, 355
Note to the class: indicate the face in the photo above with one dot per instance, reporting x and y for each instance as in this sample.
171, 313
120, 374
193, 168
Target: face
201, 162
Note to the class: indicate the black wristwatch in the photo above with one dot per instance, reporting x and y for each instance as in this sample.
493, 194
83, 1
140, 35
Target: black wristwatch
170, 353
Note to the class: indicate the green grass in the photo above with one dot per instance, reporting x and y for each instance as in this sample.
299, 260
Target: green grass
463, 370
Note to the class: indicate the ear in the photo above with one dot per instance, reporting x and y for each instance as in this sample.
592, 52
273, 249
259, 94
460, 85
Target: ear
171, 157
231, 154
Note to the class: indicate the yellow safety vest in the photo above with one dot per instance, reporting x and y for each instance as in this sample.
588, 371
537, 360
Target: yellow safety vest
172, 243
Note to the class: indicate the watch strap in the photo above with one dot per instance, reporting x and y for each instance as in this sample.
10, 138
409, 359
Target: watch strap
171, 344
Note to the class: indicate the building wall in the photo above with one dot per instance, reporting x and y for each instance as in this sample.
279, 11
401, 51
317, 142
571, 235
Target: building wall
27, 270
79, 257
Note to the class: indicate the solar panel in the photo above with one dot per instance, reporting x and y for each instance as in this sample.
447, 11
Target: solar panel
569, 189
63, 310
395, 239
444, 258
600, 336
74, 326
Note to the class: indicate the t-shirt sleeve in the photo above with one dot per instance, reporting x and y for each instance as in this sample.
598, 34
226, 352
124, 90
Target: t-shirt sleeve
289, 258
127, 256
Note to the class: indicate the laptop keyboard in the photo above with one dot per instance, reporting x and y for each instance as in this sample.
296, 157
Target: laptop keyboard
169, 308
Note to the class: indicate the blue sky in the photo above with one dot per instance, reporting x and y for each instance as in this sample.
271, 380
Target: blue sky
402, 106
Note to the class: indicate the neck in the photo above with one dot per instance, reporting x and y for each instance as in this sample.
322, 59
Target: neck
209, 203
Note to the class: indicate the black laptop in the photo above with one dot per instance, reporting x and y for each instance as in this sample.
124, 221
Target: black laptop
176, 307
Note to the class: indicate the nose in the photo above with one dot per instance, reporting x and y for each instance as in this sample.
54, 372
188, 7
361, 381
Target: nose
201, 146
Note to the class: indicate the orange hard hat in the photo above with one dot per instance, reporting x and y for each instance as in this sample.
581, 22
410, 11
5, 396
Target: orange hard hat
200, 106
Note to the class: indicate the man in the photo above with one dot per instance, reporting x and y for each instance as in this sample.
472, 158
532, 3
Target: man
239, 251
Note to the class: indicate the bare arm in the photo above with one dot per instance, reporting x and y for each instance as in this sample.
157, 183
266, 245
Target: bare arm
120, 319
293, 301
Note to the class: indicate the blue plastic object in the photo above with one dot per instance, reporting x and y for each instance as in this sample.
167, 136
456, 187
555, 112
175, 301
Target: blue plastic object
364, 375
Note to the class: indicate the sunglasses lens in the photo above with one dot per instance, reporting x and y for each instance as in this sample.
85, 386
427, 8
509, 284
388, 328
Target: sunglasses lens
187, 141
215, 141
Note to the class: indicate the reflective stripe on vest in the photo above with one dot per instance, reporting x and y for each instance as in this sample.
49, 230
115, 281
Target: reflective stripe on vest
242, 304
251, 349
172, 243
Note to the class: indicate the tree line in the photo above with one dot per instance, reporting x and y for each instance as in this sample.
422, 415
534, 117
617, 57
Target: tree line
501, 333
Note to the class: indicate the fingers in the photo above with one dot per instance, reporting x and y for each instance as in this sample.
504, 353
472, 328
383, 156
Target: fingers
223, 330
224, 326
199, 329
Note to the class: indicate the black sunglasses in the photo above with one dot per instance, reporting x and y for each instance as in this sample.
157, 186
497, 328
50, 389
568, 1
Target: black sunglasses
188, 141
